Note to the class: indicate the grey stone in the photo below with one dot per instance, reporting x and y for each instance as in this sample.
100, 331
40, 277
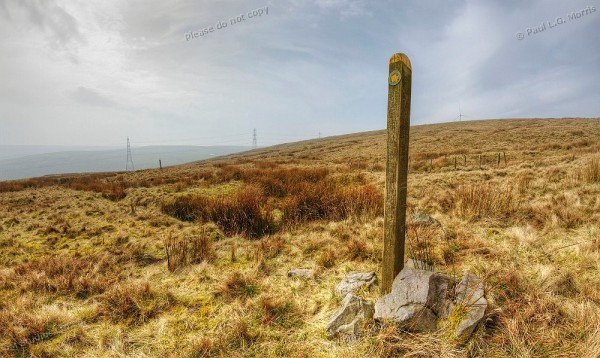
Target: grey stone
418, 299
300, 272
346, 322
423, 219
354, 281
470, 298
422, 301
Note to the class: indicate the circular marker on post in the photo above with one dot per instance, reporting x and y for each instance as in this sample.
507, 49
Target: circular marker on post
394, 77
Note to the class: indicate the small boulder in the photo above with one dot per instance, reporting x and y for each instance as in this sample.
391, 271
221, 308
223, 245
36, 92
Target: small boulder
354, 281
423, 301
417, 300
423, 219
346, 322
301, 272
469, 305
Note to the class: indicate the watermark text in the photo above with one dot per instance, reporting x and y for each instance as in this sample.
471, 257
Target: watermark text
223, 24
558, 21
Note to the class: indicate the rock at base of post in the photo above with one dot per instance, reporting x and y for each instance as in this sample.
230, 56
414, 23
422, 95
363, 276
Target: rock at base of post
346, 322
354, 281
423, 301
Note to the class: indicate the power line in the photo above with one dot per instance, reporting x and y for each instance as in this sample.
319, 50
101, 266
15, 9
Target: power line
129, 165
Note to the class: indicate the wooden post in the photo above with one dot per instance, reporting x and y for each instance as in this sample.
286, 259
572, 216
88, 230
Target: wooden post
465, 158
498, 159
398, 127
160, 163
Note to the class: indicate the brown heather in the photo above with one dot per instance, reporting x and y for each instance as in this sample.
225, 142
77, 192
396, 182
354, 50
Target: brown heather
192, 261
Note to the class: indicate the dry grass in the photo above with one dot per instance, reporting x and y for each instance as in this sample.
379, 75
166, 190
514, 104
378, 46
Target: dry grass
391, 343
298, 195
239, 286
84, 270
187, 251
240, 213
481, 201
134, 302
591, 171
65, 275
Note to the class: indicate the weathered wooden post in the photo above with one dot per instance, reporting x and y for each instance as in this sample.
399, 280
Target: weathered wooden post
398, 126
160, 163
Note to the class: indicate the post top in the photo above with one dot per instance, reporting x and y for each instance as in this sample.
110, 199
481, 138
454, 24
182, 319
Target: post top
400, 57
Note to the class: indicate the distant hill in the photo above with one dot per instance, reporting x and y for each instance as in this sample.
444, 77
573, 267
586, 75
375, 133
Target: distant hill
34, 162
16, 151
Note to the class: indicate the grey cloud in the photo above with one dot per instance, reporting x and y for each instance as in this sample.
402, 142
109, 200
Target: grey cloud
61, 26
4, 10
91, 97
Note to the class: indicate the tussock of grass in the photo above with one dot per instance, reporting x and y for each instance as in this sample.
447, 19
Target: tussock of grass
357, 250
327, 258
134, 302
591, 171
66, 275
480, 201
236, 285
280, 312
270, 247
187, 251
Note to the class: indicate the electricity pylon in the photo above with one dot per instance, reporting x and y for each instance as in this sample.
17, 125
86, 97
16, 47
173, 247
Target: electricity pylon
129, 165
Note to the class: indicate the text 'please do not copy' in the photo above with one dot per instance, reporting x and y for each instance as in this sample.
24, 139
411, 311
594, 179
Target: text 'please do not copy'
223, 24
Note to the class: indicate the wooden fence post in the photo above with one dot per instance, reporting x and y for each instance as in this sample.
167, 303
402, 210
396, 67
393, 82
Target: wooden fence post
398, 127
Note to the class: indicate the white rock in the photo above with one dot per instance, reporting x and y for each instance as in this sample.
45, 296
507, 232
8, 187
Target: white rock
470, 297
354, 281
300, 272
417, 300
420, 301
346, 322
424, 219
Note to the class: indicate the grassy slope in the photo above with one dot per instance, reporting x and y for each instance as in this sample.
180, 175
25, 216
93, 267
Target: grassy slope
81, 274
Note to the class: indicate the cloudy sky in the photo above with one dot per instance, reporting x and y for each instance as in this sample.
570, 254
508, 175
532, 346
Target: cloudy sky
94, 72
